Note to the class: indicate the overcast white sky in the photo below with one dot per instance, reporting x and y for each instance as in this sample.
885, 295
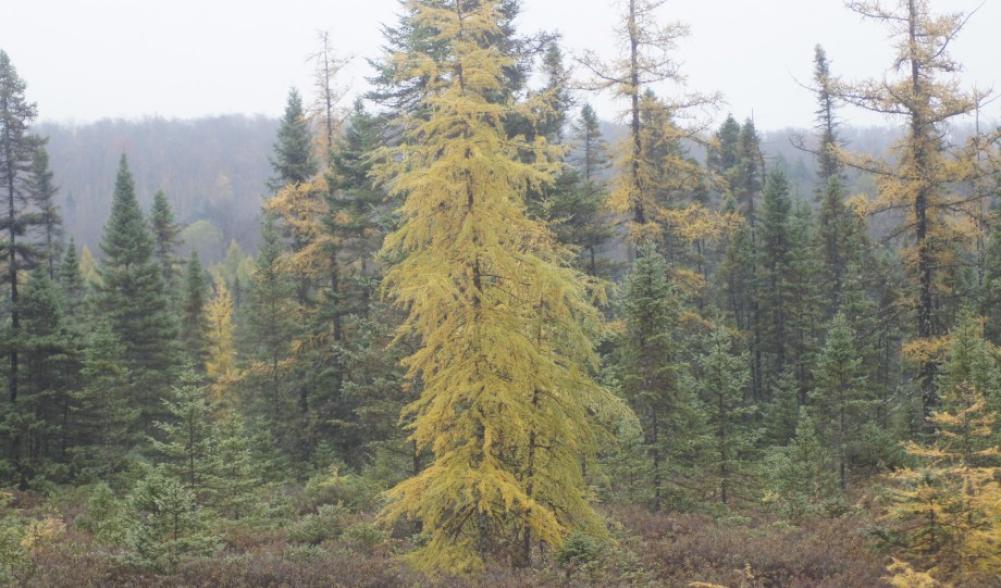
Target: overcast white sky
89, 59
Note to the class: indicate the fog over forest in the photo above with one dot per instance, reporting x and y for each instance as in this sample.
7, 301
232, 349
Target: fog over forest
215, 170
506, 293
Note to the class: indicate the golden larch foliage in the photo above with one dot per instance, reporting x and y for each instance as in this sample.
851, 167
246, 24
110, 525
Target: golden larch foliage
648, 175
904, 576
220, 365
504, 322
949, 510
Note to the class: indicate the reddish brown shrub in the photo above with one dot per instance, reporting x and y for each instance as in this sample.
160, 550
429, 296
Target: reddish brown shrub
827, 553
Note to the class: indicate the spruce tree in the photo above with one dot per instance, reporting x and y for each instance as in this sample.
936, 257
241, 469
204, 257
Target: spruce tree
551, 110
359, 373
330, 220
736, 280
654, 374
776, 295
887, 336
165, 524
42, 190
293, 161
553, 120
807, 298
723, 379
971, 359
802, 474
723, 155
990, 297
271, 313
574, 206
749, 173
194, 324
104, 412
840, 398
592, 151
71, 279
313, 262
588, 224
782, 411
365, 415
839, 240
829, 165
748, 181
132, 297
17, 150
187, 433
165, 237
357, 216
40, 422
236, 471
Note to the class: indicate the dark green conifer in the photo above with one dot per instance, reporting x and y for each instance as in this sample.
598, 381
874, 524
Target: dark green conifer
655, 377
194, 323
17, 151
165, 236
775, 292
828, 164
41, 421
293, 160
42, 191
723, 154
840, 400
990, 298
71, 279
723, 381
104, 410
271, 311
133, 299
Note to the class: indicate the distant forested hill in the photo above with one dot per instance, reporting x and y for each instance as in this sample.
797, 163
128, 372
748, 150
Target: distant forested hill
214, 170
801, 169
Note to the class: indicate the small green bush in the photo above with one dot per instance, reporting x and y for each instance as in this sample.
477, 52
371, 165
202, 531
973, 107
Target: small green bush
357, 493
165, 524
328, 522
303, 553
580, 553
364, 537
20, 537
104, 516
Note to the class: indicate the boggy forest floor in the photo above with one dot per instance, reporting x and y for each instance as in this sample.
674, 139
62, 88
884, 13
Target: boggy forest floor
329, 547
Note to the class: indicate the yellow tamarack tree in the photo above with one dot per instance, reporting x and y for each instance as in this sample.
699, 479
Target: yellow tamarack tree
950, 509
301, 208
506, 403
904, 576
315, 257
644, 171
920, 179
220, 366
